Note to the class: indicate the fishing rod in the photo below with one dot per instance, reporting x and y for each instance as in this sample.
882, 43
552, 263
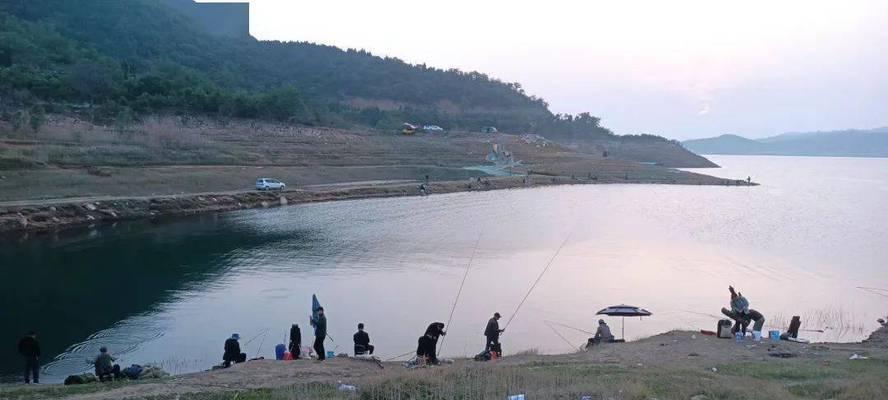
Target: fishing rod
549, 264
258, 350
257, 335
568, 327
459, 292
559, 334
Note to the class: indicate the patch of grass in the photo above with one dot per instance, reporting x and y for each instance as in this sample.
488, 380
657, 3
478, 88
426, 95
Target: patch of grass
781, 371
29, 392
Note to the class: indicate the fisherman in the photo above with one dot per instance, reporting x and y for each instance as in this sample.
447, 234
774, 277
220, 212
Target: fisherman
428, 343
320, 331
105, 367
362, 341
295, 341
742, 314
29, 348
602, 335
492, 333
233, 351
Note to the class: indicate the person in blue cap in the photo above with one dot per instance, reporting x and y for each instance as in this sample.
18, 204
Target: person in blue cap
233, 351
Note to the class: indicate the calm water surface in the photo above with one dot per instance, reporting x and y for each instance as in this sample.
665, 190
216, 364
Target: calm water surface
171, 292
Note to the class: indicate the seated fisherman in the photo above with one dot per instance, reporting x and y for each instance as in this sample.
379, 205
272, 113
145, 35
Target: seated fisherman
602, 334
233, 351
105, 367
362, 341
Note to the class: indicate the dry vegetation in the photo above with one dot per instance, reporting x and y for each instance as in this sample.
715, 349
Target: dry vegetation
68, 157
675, 365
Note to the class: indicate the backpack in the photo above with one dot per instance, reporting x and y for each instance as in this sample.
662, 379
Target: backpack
133, 371
483, 356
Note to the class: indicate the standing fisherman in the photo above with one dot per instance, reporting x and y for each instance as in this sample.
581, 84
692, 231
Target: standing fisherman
320, 331
295, 341
428, 343
29, 348
492, 332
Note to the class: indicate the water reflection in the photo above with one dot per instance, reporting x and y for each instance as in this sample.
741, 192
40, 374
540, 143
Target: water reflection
172, 292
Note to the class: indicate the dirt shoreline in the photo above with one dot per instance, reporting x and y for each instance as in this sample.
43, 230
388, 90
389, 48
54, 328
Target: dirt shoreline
55, 215
676, 364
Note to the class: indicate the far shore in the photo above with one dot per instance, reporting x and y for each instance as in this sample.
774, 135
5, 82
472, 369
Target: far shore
40, 215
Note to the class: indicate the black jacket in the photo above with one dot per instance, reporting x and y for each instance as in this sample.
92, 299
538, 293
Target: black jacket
28, 347
492, 329
435, 329
232, 350
361, 338
295, 335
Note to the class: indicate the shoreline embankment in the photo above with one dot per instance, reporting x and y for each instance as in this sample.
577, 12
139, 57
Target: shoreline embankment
60, 214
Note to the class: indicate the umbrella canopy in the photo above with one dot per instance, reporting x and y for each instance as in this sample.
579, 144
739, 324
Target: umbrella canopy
623, 310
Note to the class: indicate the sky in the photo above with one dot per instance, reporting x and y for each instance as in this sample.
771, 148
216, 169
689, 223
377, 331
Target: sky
681, 69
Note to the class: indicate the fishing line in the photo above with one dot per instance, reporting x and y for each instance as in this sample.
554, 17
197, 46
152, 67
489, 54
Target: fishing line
874, 291
538, 279
402, 355
459, 292
559, 334
872, 288
568, 327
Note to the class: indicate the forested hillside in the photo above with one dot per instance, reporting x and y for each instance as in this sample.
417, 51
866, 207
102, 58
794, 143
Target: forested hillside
114, 61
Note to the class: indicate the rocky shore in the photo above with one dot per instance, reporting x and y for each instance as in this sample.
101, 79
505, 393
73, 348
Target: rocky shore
24, 217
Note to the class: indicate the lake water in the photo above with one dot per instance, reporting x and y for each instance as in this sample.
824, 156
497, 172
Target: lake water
172, 292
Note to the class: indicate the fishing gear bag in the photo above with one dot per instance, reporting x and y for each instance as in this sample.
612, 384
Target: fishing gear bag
723, 330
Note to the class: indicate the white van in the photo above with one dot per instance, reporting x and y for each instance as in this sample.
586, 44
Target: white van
269, 184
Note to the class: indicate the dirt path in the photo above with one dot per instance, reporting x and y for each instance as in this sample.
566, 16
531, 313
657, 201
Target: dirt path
93, 199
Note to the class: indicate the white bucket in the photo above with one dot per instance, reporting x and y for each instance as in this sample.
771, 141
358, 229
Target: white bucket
757, 335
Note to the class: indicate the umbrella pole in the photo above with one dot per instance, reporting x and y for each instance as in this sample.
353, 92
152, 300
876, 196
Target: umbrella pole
624, 329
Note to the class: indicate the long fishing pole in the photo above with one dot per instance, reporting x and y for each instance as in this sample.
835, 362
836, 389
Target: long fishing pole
258, 350
459, 292
549, 264
257, 335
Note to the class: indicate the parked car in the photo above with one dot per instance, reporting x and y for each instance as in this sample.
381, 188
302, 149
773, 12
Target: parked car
269, 184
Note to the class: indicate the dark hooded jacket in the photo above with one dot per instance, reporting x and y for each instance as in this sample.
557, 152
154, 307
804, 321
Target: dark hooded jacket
492, 329
29, 347
232, 350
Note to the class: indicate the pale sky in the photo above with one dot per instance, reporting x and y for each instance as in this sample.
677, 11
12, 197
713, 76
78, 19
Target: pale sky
681, 69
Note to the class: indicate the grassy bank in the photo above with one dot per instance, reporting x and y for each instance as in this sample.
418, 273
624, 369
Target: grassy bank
554, 380
674, 365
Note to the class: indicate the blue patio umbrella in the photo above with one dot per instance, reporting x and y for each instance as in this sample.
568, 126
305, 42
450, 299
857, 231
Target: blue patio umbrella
624, 311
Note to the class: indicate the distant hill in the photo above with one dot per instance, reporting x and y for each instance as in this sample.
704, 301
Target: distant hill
114, 61
846, 143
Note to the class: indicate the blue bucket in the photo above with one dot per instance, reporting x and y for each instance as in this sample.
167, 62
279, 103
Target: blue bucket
279, 351
331, 354
774, 335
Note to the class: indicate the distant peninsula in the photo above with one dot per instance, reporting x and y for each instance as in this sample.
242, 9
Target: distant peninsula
845, 143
